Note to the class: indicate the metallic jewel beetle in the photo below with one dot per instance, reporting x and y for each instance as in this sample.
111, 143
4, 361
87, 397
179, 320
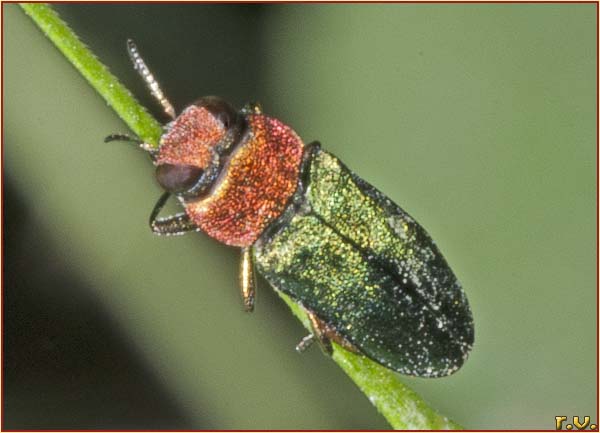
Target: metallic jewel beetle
368, 276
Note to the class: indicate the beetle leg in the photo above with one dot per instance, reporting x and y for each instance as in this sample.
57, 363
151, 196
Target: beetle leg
252, 108
178, 224
247, 280
324, 334
305, 343
122, 137
126, 137
320, 331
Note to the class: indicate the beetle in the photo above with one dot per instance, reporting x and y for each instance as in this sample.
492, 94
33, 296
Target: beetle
368, 276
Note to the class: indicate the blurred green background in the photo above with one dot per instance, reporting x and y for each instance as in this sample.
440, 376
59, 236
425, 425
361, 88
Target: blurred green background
479, 120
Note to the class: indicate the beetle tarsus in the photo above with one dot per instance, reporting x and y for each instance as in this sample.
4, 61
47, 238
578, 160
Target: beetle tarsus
247, 279
305, 343
173, 225
122, 137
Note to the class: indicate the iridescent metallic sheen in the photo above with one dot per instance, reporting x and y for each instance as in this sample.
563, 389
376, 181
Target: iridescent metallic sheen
190, 139
369, 277
364, 267
254, 186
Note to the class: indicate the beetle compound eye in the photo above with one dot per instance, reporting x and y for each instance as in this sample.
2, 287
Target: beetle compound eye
178, 178
221, 109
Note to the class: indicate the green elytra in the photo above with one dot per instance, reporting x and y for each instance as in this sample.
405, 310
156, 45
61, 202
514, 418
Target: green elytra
365, 268
368, 275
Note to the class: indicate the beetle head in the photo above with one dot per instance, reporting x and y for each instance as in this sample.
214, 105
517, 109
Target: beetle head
195, 146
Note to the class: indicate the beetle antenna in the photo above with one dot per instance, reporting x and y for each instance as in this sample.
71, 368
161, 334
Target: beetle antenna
140, 66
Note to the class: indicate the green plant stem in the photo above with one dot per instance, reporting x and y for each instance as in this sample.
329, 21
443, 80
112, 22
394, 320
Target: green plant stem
98, 75
401, 406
